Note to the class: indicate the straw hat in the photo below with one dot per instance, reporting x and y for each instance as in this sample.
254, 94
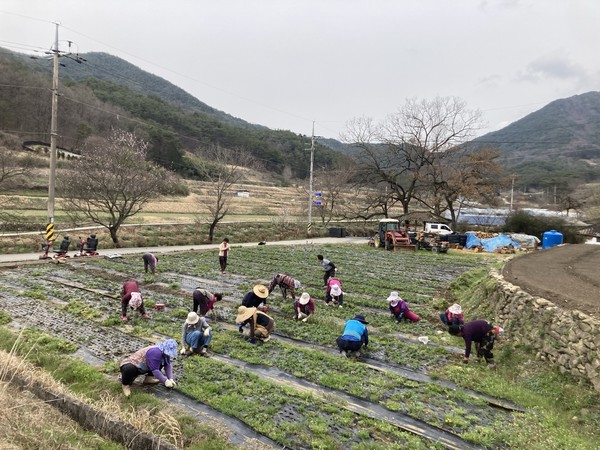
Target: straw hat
336, 290
361, 318
455, 309
394, 297
304, 298
192, 318
261, 291
244, 314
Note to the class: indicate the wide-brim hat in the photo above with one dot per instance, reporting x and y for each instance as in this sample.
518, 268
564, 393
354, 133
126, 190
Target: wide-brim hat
192, 318
455, 309
297, 284
244, 314
336, 290
304, 298
260, 290
361, 318
394, 297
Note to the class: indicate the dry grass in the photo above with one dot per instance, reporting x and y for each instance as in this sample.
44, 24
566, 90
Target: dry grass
33, 423
29, 423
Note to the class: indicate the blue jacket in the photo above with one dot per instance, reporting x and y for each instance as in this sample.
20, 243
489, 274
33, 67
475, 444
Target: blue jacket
356, 331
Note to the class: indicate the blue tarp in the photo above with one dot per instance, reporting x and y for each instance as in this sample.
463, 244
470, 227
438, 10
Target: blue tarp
491, 244
472, 240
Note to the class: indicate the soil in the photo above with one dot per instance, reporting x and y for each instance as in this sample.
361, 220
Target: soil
566, 275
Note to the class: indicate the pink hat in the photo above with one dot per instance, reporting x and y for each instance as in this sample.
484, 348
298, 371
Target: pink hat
455, 309
394, 298
136, 300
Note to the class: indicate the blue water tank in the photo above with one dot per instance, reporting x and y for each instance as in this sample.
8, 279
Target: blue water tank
551, 238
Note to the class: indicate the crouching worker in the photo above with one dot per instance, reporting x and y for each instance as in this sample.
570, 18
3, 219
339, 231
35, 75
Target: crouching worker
256, 298
483, 333
150, 361
453, 315
304, 307
286, 284
261, 325
333, 293
399, 309
354, 337
196, 335
132, 297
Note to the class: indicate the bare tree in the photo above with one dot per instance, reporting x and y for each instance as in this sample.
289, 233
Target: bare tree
113, 181
399, 151
461, 176
223, 168
13, 168
332, 184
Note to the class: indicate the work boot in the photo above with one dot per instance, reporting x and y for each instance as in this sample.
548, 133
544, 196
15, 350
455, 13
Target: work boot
149, 379
266, 338
203, 351
145, 316
124, 318
126, 390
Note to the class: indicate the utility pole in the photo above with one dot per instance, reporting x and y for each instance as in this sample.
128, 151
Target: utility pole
512, 190
310, 183
53, 130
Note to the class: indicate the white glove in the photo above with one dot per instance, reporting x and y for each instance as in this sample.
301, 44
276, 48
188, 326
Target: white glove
207, 332
305, 319
170, 384
182, 351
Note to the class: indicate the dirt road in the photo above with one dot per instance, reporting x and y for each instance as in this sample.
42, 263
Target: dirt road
568, 275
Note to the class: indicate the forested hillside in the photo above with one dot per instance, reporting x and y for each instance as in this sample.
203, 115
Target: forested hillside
557, 145
106, 92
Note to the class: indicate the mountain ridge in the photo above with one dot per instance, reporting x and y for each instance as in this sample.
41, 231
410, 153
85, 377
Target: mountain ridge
556, 144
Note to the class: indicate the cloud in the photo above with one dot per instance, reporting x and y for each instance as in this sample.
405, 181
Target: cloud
492, 80
552, 67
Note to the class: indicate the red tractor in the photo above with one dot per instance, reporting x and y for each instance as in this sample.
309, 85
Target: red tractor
390, 236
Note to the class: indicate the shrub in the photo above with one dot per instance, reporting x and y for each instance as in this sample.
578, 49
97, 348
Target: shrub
523, 222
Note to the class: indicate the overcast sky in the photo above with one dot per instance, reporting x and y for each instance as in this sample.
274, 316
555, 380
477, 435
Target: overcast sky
287, 63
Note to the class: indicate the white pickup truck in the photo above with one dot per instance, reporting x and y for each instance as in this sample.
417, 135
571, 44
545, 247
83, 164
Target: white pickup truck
438, 228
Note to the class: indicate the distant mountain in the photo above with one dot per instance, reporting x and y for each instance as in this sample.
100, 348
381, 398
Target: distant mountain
106, 67
104, 91
559, 141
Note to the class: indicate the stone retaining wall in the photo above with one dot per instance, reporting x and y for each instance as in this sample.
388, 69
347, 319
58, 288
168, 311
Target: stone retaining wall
568, 339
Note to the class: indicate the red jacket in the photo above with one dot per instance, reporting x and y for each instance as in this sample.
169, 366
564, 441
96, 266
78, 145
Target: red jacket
128, 287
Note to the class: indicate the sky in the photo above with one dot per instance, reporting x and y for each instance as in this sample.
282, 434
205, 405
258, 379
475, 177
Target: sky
287, 64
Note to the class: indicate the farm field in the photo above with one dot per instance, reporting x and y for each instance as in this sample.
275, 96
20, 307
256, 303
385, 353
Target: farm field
296, 391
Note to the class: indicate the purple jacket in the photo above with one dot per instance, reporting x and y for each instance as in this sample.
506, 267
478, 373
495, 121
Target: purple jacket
475, 331
152, 359
155, 359
400, 309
